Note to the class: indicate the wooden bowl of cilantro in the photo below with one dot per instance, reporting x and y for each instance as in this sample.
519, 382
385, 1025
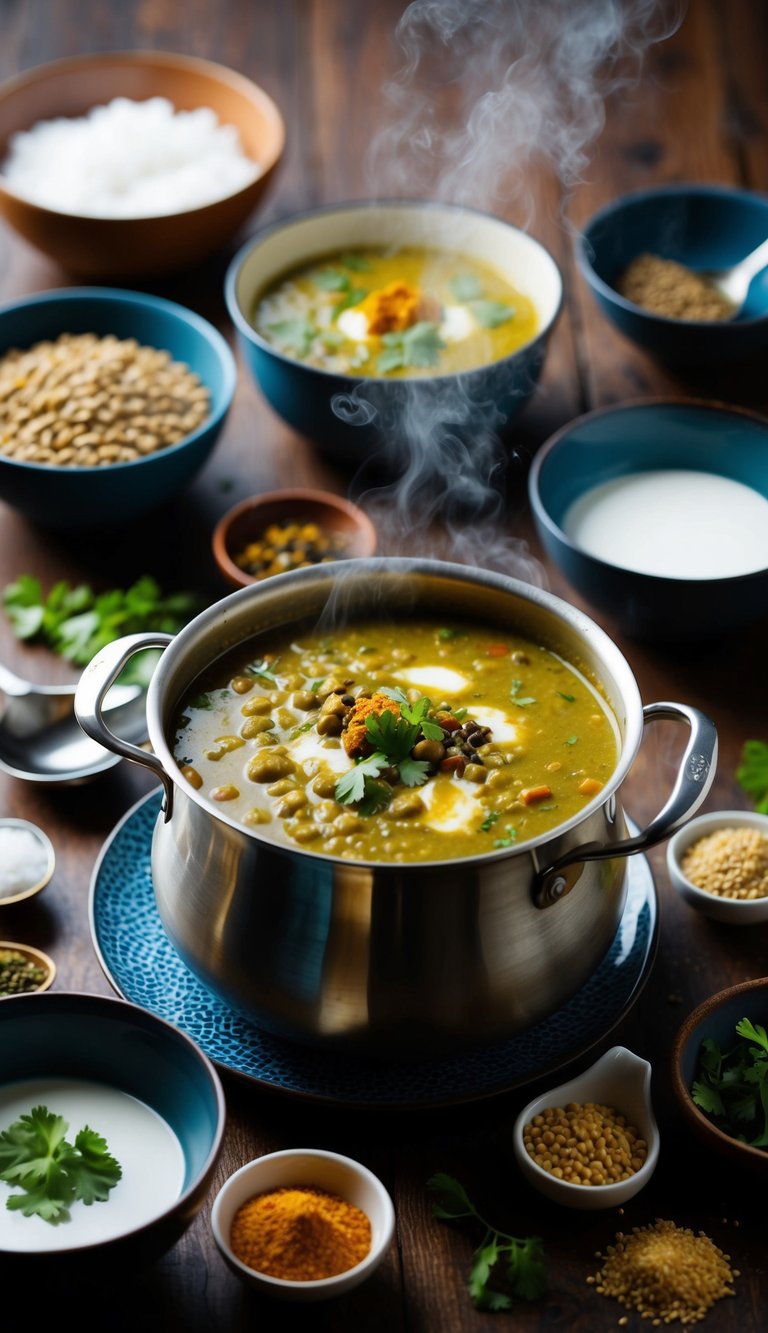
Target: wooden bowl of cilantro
719, 1073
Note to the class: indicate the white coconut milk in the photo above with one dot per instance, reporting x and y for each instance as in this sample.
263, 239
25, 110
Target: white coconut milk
143, 1143
676, 524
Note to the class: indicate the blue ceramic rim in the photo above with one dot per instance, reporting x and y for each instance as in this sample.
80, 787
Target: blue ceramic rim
642, 196
250, 334
214, 69
140, 301
616, 409
74, 1000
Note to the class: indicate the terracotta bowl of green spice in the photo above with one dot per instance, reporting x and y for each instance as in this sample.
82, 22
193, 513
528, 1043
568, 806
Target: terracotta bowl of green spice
719, 1062
132, 1113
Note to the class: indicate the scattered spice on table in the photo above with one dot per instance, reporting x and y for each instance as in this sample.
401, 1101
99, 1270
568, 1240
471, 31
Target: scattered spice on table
665, 1272
18, 973
729, 863
23, 860
300, 1234
667, 288
585, 1143
292, 544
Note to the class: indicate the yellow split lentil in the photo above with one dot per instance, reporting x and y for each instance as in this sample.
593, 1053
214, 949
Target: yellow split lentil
585, 1143
730, 863
667, 1273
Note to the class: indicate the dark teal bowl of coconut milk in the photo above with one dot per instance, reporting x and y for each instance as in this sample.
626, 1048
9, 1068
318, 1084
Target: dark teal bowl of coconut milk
657, 514
699, 226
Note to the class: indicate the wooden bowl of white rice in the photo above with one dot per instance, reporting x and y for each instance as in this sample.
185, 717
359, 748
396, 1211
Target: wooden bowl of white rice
133, 164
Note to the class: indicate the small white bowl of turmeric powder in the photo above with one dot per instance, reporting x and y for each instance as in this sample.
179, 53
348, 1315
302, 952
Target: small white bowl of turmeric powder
303, 1224
718, 863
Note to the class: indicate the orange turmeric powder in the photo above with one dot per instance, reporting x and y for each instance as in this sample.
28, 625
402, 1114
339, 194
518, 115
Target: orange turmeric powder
397, 306
355, 733
300, 1234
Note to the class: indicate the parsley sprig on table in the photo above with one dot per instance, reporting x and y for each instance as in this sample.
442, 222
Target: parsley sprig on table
76, 622
519, 1260
393, 737
752, 773
732, 1085
51, 1173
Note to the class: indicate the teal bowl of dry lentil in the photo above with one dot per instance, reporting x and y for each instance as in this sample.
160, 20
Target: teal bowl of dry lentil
289, 529
111, 401
643, 256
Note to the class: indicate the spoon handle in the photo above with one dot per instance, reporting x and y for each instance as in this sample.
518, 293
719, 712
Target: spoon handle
754, 262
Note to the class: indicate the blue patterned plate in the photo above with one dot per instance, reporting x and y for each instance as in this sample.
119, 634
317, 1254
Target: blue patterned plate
142, 965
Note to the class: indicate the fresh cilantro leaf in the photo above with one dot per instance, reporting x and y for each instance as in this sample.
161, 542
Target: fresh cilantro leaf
353, 296
526, 702
376, 796
569, 698
752, 773
262, 671
753, 1032
445, 634
508, 839
571, 740
392, 735
417, 346
413, 772
489, 821
392, 692
731, 1086
490, 314
50, 1172
331, 280
465, 287
350, 787
293, 335
515, 688
521, 1259
358, 263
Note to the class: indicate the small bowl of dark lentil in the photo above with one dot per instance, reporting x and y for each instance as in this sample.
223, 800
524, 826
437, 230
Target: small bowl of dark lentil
592, 1142
289, 529
24, 969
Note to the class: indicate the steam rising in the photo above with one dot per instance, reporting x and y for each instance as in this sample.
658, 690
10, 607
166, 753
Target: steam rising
486, 88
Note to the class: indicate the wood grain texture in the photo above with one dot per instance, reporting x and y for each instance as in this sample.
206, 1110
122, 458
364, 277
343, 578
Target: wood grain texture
696, 109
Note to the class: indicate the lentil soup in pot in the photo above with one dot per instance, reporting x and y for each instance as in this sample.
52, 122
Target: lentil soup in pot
398, 742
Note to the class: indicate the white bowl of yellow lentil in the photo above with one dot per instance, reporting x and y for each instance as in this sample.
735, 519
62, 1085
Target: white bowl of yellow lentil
303, 1224
592, 1142
718, 863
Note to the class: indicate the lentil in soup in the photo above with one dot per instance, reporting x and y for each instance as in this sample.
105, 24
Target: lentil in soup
396, 314
397, 743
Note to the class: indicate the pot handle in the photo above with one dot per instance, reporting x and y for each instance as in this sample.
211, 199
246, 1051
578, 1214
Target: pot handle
694, 779
97, 678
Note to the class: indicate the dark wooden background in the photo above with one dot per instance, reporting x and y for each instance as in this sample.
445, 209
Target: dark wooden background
696, 108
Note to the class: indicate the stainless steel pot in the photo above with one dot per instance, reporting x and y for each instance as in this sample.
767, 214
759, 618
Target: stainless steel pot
403, 960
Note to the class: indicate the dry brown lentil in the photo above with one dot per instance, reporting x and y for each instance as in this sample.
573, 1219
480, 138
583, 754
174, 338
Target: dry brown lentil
667, 1273
585, 1143
292, 544
81, 400
730, 863
667, 288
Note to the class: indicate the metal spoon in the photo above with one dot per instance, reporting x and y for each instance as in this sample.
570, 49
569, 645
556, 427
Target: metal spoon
42, 741
733, 283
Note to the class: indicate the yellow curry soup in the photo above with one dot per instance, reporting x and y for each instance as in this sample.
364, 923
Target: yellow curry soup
395, 314
403, 743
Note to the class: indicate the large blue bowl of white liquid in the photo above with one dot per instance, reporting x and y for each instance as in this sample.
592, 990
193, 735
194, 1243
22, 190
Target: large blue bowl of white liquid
657, 514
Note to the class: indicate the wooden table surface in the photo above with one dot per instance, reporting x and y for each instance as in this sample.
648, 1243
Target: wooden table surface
695, 107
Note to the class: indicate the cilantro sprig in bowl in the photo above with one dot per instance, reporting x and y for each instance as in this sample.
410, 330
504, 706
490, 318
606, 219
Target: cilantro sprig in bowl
719, 1074
111, 1126
358, 359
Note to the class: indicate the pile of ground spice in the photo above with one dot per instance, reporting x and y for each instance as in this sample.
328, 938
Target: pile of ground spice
300, 1234
729, 863
665, 1272
667, 288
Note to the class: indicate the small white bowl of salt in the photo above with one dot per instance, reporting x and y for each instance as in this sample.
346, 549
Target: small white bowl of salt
27, 860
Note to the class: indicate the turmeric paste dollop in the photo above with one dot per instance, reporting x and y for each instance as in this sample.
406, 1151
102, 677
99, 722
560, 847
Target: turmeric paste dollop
394, 308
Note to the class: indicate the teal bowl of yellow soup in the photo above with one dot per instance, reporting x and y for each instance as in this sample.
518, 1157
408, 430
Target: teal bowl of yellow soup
382, 326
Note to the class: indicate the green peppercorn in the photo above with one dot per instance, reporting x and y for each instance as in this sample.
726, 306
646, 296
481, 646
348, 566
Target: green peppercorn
18, 974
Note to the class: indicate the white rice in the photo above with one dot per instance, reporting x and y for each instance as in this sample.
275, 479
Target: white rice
129, 160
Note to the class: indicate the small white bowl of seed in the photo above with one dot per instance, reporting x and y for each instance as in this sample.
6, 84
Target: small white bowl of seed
718, 863
592, 1142
111, 401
